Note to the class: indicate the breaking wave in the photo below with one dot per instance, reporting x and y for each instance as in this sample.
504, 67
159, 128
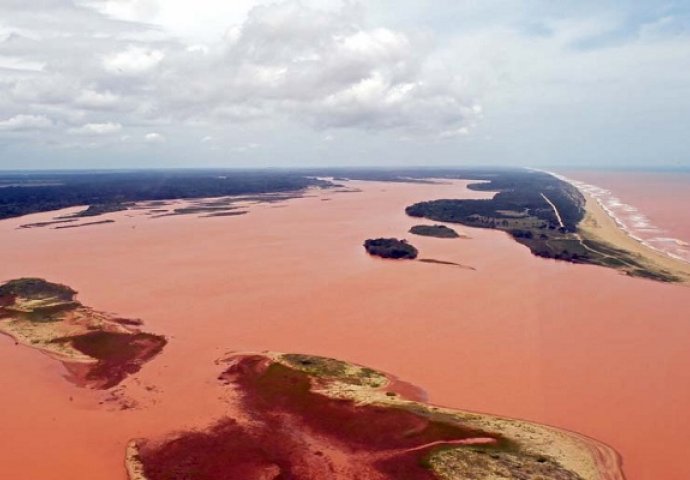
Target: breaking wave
633, 222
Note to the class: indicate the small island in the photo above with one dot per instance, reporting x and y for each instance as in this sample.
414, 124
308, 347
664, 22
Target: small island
390, 248
97, 209
438, 231
98, 350
307, 417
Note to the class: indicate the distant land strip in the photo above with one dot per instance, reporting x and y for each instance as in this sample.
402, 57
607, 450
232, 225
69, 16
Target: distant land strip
554, 220
34, 192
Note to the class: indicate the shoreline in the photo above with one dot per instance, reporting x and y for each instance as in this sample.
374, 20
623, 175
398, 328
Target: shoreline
524, 338
514, 445
584, 189
600, 226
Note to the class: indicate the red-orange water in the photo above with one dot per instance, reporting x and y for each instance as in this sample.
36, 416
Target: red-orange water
579, 347
652, 205
292, 432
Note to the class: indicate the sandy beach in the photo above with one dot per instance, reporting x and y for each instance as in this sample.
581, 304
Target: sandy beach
599, 225
646, 203
582, 348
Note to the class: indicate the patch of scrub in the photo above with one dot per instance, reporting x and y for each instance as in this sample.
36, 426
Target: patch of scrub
308, 417
438, 231
390, 248
98, 349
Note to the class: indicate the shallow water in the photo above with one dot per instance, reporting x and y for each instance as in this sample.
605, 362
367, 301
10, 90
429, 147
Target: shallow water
579, 347
651, 206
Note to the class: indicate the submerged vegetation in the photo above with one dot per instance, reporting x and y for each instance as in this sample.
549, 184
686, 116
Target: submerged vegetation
390, 248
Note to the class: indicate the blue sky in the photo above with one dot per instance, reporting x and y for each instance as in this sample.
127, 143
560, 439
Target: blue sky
146, 83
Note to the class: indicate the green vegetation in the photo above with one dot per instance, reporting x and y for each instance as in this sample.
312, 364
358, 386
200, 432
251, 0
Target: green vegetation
27, 193
520, 206
202, 209
334, 369
46, 224
46, 316
86, 224
100, 208
438, 231
234, 213
36, 288
390, 248
313, 365
541, 212
448, 462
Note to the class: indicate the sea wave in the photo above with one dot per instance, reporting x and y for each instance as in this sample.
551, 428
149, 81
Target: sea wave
634, 222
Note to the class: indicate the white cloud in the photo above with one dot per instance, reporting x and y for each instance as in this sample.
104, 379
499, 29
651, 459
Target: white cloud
133, 61
582, 77
96, 100
25, 122
131, 10
246, 148
285, 62
14, 63
323, 68
154, 137
97, 129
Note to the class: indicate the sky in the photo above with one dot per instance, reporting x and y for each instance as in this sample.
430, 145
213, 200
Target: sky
252, 83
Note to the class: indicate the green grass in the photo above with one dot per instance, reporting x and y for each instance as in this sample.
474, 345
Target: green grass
36, 288
438, 231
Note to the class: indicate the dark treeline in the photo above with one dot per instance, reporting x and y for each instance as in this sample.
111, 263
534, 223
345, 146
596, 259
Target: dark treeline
518, 191
24, 193
390, 248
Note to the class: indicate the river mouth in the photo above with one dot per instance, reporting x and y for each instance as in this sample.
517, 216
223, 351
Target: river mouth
515, 335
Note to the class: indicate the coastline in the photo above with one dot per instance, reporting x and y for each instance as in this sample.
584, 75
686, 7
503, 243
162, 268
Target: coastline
631, 220
600, 226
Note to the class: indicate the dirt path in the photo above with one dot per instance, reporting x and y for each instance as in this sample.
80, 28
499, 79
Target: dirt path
558, 215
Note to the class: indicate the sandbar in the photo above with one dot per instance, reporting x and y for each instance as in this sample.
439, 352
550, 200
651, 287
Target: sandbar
309, 417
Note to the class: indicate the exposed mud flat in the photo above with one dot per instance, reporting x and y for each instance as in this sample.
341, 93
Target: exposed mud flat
306, 417
99, 350
579, 347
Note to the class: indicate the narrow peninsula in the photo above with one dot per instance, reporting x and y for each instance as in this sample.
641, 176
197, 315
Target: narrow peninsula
312, 418
98, 350
554, 220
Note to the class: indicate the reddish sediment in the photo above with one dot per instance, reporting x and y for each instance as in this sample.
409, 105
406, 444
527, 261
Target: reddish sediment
118, 355
578, 347
98, 350
311, 418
